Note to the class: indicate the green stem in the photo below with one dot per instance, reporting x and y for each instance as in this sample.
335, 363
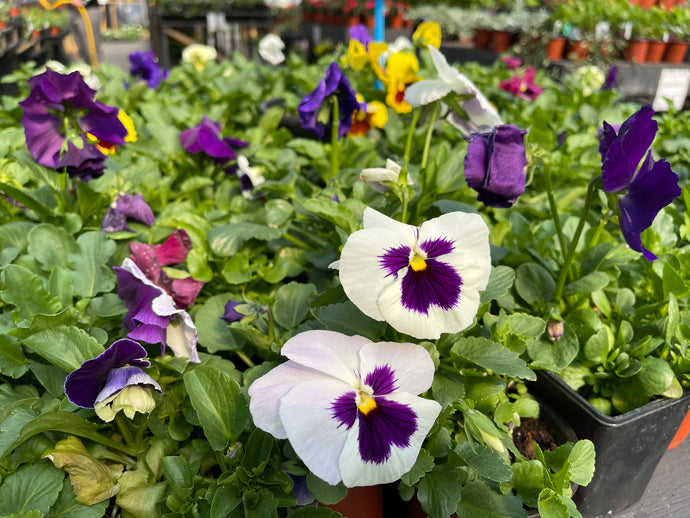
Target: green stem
554, 209
335, 143
599, 229
427, 144
576, 237
124, 426
410, 134
245, 358
402, 178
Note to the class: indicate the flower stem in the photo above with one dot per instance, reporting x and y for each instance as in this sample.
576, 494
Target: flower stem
427, 143
410, 134
335, 143
402, 178
576, 237
245, 358
554, 209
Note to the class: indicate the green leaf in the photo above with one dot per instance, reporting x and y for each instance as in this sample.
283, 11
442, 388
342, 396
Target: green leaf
597, 346
500, 281
528, 480
51, 377
315, 512
291, 304
346, 318
591, 282
440, 491
214, 333
227, 240
13, 363
26, 292
521, 324
672, 318
485, 461
61, 287
35, 486
289, 262
68, 507
336, 213
551, 505
225, 500
534, 283
311, 148
11, 426
26, 199
278, 212
480, 501
447, 387
582, 459
493, 356
51, 245
64, 347
90, 271
324, 492
218, 401
15, 233
423, 464
654, 377
177, 471
556, 355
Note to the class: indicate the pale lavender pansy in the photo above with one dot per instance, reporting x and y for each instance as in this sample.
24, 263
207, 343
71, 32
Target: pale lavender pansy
423, 281
115, 380
349, 407
152, 316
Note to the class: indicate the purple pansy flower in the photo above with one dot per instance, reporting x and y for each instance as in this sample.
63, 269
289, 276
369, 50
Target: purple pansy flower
349, 407
230, 314
132, 206
151, 313
145, 65
59, 110
205, 137
423, 281
524, 86
511, 63
360, 33
113, 381
650, 185
335, 83
496, 164
611, 78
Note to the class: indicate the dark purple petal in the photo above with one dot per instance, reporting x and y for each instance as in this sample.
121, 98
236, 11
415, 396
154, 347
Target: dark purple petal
635, 243
495, 165
611, 78
230, 314
145, 66
609, 134
654, 187
360, 33
437, 247
114, 221
103, 123
344, 409
122, 377
43, 138
135, 207
83, 385
390, 423
138, 298
437, 285
382, 380
301, 490
624, 154
151, 334
394, 259
206, 137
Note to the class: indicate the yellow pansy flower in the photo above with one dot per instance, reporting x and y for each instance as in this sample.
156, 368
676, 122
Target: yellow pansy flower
357, 55
428, 33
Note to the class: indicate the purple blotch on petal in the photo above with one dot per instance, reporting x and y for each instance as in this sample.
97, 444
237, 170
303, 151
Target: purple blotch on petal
381, 380
390, 423
344, 409
437, 247
437, 285
394, 259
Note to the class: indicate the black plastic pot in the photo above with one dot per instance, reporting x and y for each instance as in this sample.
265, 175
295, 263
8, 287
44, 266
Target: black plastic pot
628, 447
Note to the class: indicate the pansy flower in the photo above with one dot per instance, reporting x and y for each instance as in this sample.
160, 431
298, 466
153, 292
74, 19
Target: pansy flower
360, 34
427, 33
478, 114
151, 313
230, 315
378, 178
271, 49
115, 380
311, 107
205, 137
144, 65
357, 56
108, 148
423, 281
511, 63
524, 86
373, 114
59, 112
198, 55
650, 185
349, 407
496, 165
132, 206
400, 72
151, 259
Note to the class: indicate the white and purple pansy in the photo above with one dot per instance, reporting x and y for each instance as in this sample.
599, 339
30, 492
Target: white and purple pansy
349, 407
115, 380
423, 281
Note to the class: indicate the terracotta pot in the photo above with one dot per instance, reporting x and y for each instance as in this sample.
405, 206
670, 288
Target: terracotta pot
668, 4
397, 21
655, 51
352, 20
2, 24
370, 22
14, 11
646, 4
636, 51
481, 39
675, 51
577, 50
555, 49
361, 502
500, 41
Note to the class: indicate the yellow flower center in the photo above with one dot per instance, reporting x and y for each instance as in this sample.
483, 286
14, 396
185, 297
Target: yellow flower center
366, 404
417, 263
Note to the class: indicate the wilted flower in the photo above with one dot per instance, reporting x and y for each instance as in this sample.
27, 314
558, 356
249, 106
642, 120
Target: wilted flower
115, 380
650, 185
205, 137
271, 49
59, 112
312, 106
132, 206
479, 115
427, 33
495, 165
145, 66
198, 55
348, 406
375, 176
423, 281
151, 313
524, 86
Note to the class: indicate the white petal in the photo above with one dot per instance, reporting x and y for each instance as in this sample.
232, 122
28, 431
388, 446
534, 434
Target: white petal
356, 472
426, 92
181, 336
315, 435
266, 392
411, 363
130, 266
329, 352
374, 219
